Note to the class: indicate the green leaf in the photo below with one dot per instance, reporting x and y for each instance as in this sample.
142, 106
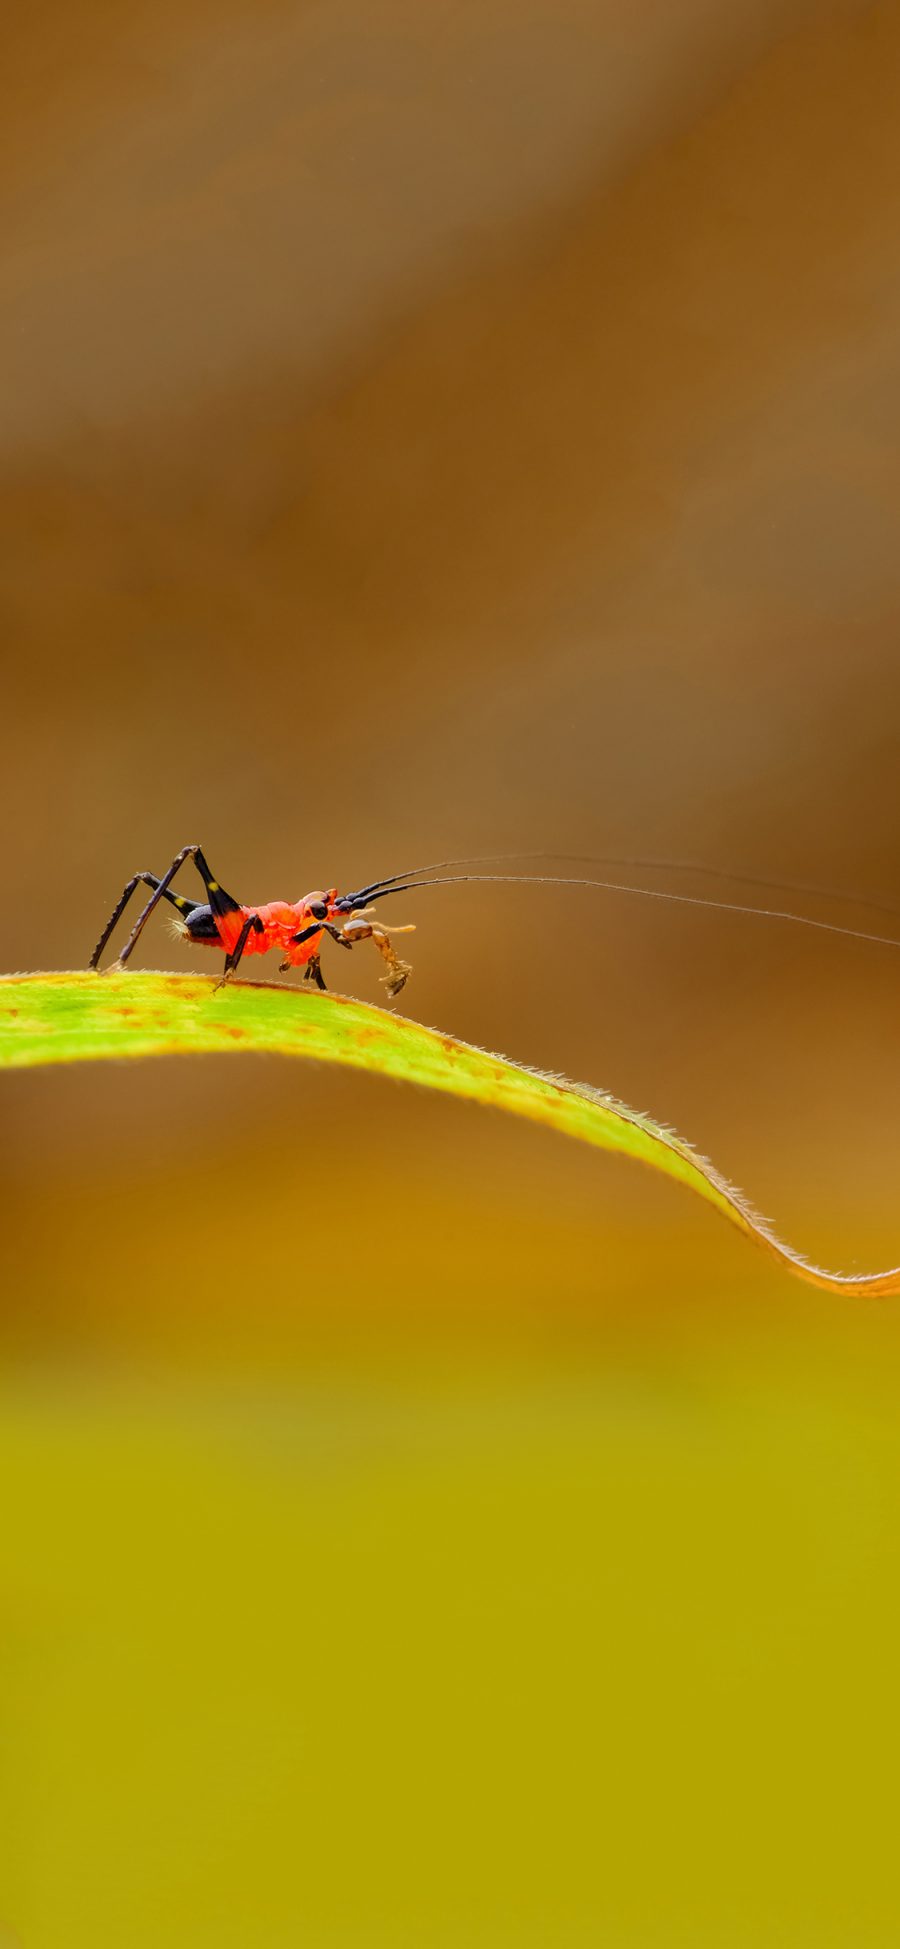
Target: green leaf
57, 1018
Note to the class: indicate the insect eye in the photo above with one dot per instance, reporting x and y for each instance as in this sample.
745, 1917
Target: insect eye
318, 909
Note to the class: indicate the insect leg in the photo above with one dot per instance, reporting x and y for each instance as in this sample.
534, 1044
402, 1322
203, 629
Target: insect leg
313, 972
138, 879
158, 894
320, 927
220, 901
360, 930
252, 925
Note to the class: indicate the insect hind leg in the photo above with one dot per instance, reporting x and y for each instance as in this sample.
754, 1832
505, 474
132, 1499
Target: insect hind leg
220, 901
139, 879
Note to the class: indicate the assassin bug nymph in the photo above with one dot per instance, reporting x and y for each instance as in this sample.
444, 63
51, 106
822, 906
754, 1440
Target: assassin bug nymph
296, 928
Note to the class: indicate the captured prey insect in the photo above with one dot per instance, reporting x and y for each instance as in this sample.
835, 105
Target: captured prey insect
296, 929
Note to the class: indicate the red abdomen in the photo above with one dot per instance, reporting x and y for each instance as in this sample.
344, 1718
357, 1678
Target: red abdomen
280, 922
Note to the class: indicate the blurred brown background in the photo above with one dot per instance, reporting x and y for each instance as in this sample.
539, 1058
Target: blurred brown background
441, 430
429, 430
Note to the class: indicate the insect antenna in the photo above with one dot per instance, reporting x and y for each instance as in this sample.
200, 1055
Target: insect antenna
381, 889
414, 878
867, 903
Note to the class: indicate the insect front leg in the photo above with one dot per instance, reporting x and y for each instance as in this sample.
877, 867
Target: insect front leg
313, 969
312, 972
361, 930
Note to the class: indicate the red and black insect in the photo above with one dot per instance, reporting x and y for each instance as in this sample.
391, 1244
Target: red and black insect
296, 929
